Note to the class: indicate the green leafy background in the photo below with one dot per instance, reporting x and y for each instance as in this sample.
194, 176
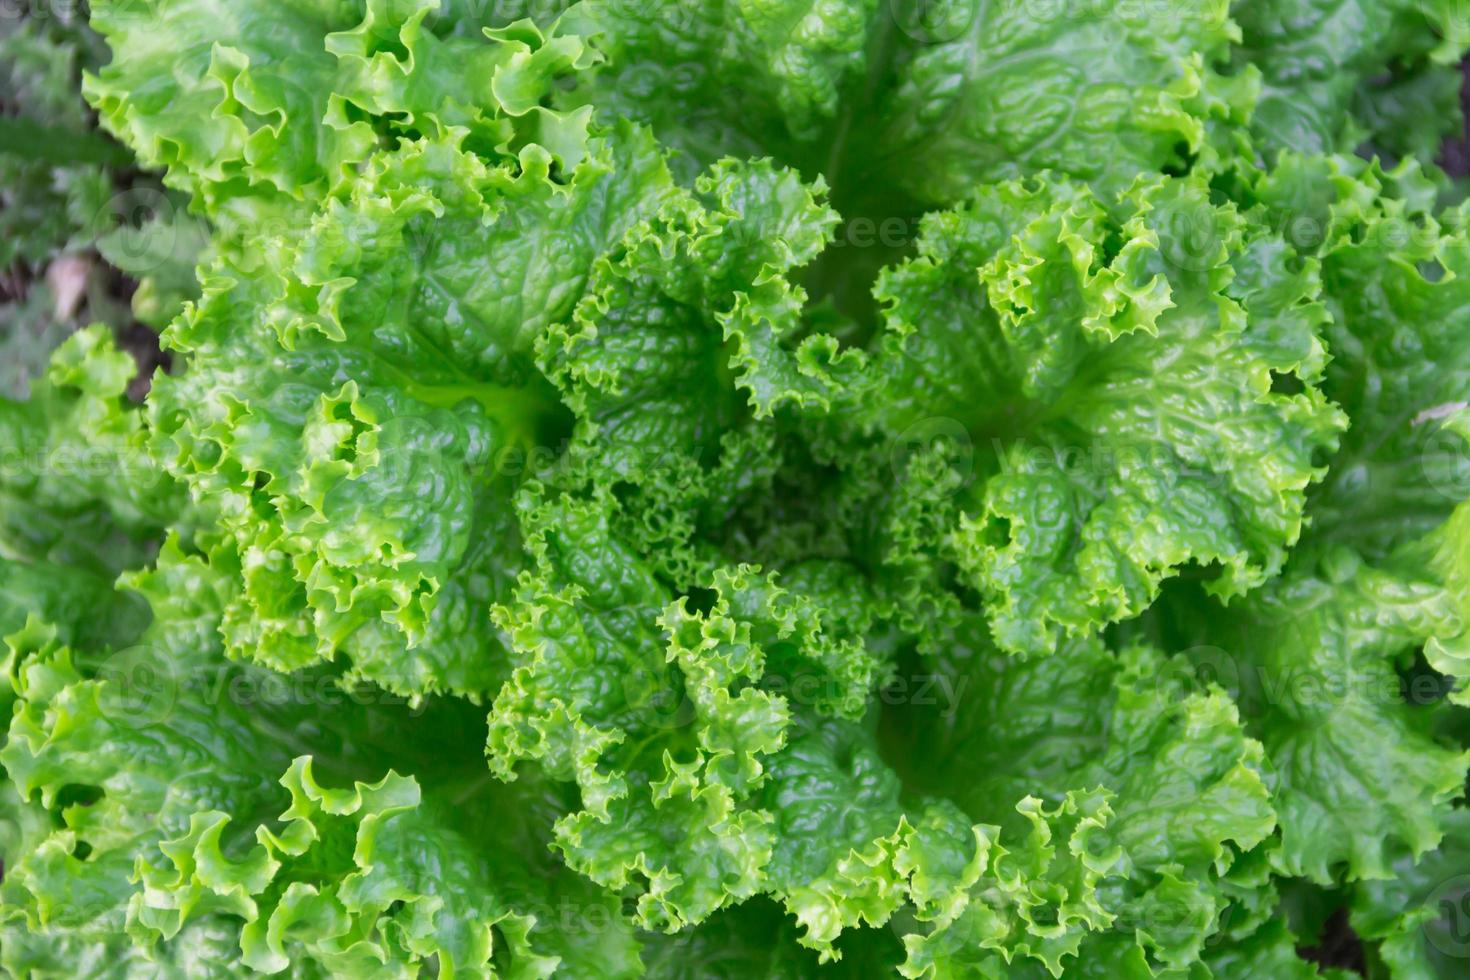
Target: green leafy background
738, 488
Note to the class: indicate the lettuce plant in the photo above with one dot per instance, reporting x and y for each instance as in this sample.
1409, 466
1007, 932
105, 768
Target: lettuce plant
746, 489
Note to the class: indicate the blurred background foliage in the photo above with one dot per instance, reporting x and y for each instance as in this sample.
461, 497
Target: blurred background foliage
85, 236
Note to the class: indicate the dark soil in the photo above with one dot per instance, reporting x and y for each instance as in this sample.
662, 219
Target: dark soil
1455, 156
1340, 946
138, 340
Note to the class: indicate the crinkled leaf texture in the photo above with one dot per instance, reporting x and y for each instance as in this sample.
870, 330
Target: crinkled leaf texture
1109, 367
751, 488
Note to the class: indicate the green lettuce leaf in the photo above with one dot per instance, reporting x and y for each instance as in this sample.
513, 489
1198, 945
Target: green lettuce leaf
728, 76
77, 486
1322, 60
1417, 917
1148, 778
359, 413
275, 106
1117, 405
989, 92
